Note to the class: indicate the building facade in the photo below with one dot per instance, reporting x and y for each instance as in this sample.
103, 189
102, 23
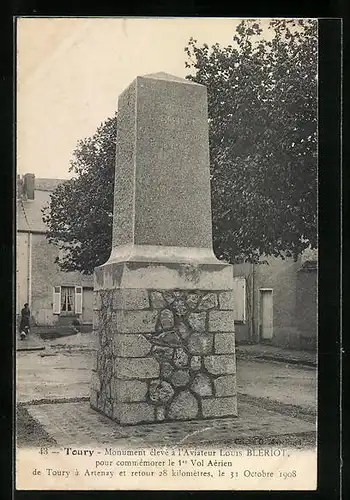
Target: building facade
276, 302
54, 296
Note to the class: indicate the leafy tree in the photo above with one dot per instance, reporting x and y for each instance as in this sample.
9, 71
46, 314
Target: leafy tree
262, 101
80, 213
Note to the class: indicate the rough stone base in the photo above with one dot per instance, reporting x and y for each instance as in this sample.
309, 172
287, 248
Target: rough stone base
164, 355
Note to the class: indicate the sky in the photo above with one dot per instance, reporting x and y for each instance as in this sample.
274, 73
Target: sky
70, 72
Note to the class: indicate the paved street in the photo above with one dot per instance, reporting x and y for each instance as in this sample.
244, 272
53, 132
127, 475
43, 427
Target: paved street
54, 384
79, 424
62, 371
287, 384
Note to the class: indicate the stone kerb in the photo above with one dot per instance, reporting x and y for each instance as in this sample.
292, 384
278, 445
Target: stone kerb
164, 355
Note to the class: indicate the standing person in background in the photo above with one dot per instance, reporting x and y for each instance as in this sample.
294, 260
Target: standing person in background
24, 325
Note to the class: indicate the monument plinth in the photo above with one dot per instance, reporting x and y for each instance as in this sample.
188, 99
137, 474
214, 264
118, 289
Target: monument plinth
163, 313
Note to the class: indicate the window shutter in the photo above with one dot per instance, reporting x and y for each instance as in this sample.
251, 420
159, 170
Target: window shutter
56, 302
239, 291
78, 300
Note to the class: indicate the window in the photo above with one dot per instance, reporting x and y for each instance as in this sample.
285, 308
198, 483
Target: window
67, 299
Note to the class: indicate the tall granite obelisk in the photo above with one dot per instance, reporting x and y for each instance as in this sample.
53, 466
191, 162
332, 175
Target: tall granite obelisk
163, 313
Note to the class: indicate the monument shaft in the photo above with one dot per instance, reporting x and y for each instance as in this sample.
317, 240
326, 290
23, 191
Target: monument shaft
163, 313
162, 193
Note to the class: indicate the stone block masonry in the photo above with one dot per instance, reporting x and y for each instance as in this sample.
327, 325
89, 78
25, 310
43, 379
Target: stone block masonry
160, 357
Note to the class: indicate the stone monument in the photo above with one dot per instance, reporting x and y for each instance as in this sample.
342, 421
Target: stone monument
163, 311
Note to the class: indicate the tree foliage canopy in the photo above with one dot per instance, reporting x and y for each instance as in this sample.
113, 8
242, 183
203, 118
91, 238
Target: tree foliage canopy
80, 213
262, 102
